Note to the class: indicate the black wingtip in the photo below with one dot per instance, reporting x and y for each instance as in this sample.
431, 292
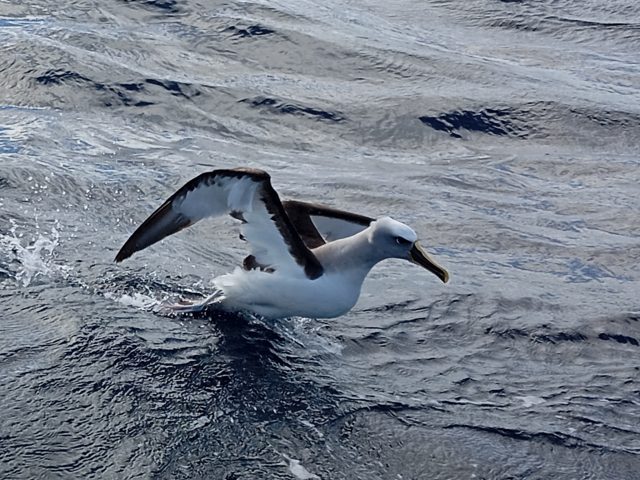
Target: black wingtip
122, 255
126, 251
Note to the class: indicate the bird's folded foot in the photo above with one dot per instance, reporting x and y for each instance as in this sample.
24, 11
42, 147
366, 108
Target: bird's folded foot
191, 307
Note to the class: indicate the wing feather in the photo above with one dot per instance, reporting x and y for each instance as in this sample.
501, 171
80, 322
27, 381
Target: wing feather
318, 224
243, 193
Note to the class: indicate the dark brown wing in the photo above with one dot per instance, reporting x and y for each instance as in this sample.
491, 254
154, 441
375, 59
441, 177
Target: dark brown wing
318, 224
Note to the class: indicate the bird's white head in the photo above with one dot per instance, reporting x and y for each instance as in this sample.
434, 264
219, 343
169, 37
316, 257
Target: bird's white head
394, 239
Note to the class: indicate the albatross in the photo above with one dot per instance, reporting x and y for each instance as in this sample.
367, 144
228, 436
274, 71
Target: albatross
305, 259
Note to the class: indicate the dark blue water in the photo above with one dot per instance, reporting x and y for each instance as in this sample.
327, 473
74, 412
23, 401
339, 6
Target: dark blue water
507, 133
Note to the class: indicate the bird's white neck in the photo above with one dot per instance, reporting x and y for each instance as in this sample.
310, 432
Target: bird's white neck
356, 255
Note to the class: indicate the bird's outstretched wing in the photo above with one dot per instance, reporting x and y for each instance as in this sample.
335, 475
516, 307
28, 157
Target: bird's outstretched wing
245, 194
319, 224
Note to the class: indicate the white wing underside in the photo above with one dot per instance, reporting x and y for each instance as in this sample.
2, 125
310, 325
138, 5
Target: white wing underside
335, 228
240, 195
244, 194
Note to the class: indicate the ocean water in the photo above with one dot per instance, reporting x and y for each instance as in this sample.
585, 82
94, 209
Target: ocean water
507, 133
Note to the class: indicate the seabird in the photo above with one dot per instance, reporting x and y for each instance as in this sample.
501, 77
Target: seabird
306, 259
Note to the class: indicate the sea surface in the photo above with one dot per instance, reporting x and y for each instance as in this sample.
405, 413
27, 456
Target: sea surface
506, 133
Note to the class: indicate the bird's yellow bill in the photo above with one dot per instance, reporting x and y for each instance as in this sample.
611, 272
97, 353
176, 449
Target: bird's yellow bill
418, 256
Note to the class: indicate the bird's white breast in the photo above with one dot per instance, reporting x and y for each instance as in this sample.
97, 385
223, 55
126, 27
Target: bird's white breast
275, 295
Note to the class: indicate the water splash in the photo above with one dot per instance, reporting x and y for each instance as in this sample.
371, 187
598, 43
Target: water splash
297, 470
137, 300
34, 260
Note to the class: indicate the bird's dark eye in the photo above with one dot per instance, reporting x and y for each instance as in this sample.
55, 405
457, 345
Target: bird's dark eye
402, 241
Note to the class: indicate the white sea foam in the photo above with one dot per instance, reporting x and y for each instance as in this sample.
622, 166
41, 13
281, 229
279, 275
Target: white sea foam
137, 300
530, 400
297, 470
29, 260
